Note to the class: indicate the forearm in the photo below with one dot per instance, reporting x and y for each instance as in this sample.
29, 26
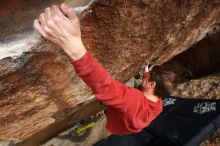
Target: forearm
92, 73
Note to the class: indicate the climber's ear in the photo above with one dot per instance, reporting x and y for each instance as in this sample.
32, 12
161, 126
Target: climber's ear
153, 84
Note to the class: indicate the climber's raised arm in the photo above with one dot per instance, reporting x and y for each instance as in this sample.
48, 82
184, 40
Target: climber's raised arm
129, 110
61, 26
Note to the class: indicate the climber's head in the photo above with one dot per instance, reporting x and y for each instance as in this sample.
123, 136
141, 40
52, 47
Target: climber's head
148, 86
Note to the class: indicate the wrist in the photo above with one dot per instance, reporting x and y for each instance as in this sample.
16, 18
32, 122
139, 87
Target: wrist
76, 56
74, 49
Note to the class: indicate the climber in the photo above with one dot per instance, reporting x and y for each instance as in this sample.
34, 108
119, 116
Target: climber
129, 110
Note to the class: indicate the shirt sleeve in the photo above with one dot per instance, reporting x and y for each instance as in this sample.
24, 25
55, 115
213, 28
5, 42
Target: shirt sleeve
135, 109
106, 89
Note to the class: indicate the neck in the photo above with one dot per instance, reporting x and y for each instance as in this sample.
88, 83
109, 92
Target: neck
151, 97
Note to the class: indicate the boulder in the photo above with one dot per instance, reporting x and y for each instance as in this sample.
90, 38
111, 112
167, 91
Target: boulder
39, 90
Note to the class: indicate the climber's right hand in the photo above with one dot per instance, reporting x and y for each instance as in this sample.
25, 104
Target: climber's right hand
61, 26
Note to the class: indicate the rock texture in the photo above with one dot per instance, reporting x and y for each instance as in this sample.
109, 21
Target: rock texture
198, 61
18, 15
159, 30
205, 88
39, 88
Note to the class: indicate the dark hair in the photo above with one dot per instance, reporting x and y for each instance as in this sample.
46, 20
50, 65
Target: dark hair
160, 89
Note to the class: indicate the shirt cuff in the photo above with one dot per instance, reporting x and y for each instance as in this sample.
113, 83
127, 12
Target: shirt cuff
84, 64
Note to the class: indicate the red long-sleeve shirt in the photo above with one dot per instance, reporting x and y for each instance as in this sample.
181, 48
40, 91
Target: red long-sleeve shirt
128, 110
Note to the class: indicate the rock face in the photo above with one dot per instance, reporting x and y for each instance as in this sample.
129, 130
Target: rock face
200, 60
18, 15
153, 28
206, 88
39, 88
